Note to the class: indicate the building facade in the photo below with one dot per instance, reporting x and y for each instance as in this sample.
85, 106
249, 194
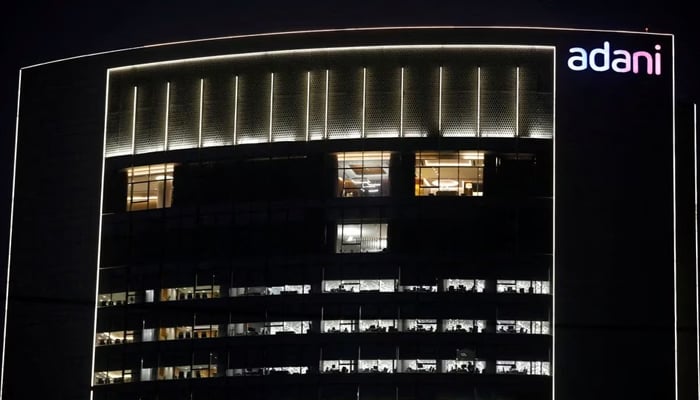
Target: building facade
415, 213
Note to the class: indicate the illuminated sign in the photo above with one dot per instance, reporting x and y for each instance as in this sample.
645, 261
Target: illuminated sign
622, 61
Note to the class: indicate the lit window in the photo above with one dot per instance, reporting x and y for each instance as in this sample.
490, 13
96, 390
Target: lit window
149, 187
464, 285
522, 367
338, 326
513, 286
418, 365
363, 174
456, 173
377, 366
337, 366
361, 238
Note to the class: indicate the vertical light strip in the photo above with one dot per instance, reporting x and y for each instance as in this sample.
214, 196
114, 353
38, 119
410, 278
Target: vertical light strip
401, 117
554, 219
364, 98
675, 227
440, 102
478, 101
272, 94
201, 108
235, 110
9, 245
133, 122
697, 295
99, 238
308, 97
167, 112
517, 101
325, 111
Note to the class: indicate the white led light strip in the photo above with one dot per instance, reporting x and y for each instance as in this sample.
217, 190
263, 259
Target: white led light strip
272, 95
167, 112
554, 220
308, 97
401, 107
517, 101
235, 110
440, 103
201, 110
697, 288
9, 245
99, 239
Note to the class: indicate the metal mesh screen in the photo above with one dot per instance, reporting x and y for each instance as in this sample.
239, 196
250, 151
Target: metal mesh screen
420, 104
454, 93
317, 104
289, 106
183, 114
536, 104
383, 102
217, 110
345, 103
497, 110
253, 108
119, 119
150, 117
459, 101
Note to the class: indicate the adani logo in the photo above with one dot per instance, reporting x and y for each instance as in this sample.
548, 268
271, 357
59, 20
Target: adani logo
622, 61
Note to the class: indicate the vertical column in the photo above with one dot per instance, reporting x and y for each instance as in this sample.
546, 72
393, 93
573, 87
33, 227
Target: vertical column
235, 110
133, 122
401, 106
517, 101
325, 110
478, 101
308, 98
440, 103
272, 93
201, 105
167, 114
364, 99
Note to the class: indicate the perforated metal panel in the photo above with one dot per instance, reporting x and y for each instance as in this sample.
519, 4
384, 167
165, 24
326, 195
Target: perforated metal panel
350, 95
497, 104
253, 108
536, 104
383, 101
345, 103
317, 104
183, 115
459, 100
289, 106
421, 102
217, 110
119, 119
150, 117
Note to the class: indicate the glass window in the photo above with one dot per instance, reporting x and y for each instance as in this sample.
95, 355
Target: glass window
149, 187
420, 325
338, 326
361, 238
418, 365
419, 288
513, 286
464, 365
378, 325
463, 325
455, 173
377, 366
363, 174
464, 285
337, 366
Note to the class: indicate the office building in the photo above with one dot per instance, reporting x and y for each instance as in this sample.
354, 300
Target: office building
399, 213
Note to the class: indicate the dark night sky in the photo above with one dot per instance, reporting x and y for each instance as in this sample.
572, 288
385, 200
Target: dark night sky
39, 31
